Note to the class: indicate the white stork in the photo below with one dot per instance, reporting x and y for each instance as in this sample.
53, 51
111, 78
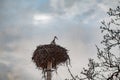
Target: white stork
53, 41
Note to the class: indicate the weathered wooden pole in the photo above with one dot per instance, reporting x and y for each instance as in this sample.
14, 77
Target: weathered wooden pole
49, 67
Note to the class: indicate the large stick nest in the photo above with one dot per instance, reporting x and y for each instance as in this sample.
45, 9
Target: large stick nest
54, 53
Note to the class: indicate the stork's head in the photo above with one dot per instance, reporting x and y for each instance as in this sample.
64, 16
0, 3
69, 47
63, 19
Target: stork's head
55, 37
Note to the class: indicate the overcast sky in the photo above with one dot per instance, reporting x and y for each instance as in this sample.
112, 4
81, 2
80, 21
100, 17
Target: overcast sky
25, 24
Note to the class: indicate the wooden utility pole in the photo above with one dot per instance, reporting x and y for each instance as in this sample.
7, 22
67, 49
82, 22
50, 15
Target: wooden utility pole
49, 67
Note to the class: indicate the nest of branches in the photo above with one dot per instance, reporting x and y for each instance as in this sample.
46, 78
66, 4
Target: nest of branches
54, 53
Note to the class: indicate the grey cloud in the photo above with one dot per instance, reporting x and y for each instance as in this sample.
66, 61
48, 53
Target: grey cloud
5, 70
